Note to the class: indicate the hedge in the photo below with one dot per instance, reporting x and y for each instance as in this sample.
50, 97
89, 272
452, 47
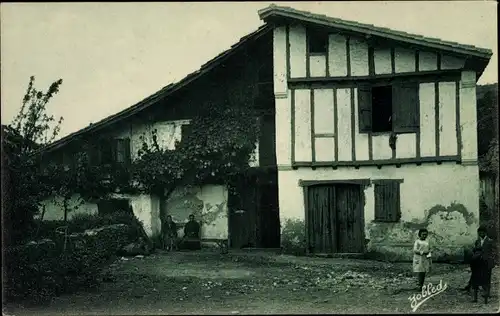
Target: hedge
41, 269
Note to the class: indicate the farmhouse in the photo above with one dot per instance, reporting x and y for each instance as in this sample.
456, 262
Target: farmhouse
367, 134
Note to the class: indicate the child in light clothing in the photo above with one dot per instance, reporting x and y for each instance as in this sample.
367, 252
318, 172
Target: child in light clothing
421, 257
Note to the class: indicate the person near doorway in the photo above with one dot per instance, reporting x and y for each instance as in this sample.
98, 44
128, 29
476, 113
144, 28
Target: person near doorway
482, 263
169, 234
421, 257
192, 234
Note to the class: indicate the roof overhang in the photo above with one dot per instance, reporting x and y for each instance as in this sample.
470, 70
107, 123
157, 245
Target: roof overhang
163, 93
477, 58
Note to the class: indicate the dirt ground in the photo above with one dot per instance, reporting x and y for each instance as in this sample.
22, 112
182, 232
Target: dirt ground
206, 282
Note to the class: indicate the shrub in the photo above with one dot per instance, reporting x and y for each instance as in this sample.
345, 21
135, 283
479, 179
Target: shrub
136, 229
82, 222
41, 270
293, 237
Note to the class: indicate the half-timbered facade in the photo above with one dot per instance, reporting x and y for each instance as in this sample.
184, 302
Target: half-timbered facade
375, 134
372, 132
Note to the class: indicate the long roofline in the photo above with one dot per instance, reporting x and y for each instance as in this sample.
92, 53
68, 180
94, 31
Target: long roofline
274, 11
267, 14
162, 93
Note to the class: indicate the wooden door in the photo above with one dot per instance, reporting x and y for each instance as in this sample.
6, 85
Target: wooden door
335, 221
242, 206
269, 223
321, 219
350, 219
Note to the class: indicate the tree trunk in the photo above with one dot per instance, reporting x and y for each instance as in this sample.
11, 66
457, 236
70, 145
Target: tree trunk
40, 222
65, 206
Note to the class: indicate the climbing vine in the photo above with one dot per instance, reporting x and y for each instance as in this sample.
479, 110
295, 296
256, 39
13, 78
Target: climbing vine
218, 147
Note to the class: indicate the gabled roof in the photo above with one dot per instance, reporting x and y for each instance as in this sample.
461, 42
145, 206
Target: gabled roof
269, 14
164, 92
274, 12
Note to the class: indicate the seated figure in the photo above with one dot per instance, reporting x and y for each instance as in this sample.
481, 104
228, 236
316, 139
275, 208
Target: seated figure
192, 234
169, 234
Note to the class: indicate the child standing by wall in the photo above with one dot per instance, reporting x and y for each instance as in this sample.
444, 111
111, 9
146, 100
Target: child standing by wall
421, 257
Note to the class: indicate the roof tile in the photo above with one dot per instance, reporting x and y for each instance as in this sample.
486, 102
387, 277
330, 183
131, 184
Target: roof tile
274, 9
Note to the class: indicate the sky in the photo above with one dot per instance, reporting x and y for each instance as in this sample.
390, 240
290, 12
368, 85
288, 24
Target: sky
112, 55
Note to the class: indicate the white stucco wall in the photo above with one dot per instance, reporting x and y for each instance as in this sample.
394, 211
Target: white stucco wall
404, 58
406, 143
337, 55
280, 63
358, 57
54, 209
424, 187
144, 206
468, 117
168, 133
209, 199
147, 207
430, 179
427, 61
297, 42
317, 65
404, 61
382, 61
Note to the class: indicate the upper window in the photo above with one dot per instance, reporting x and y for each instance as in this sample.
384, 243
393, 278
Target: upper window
318, 42
382, 105
186, 131
389, 108
122, 150
111, 151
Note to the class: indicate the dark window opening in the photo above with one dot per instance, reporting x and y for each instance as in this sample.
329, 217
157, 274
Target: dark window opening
318, 42
390, 108
186, 132
110, 151
106, 150
382, 109
123, 150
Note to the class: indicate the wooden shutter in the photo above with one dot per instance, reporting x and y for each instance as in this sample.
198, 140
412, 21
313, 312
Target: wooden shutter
123, 150
405, 107
69, 158
94, 155
126, 148
114, 146
186, 130
387, 201
365, 109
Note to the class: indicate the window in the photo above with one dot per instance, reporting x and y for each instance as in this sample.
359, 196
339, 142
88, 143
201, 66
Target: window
389, 108
318, 42
382, 105
69, 158
186, 132
123, 150
387, 201
109, 151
